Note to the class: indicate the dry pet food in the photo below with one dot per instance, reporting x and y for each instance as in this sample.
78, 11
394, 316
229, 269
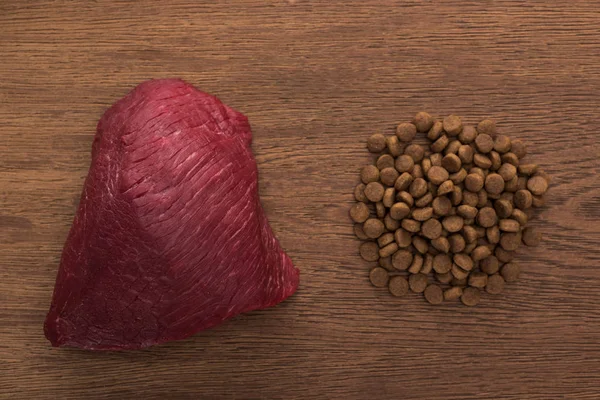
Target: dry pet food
446, 219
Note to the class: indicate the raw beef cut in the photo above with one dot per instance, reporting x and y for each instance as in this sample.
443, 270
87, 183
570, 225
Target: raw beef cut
170, 237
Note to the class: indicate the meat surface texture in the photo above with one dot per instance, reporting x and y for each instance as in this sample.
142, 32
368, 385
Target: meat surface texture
170, 237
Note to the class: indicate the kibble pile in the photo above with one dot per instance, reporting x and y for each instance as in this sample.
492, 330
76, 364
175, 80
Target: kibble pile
446, 220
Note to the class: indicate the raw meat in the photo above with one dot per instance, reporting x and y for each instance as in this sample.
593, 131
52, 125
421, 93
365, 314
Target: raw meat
170, 237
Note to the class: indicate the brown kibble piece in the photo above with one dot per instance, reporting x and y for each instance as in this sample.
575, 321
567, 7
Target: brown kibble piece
427, 264
440, 144
482, 161
385, 239
418, 187
493, 234
424, 200
445, 188
417, 171
519, 216
502, 144
359, 212
507, 171
442, 263
465, 153
453, 223
433, 294
406, 198
495, 284
474, 182
470, 234
510, 158
510, 241
431, 229
402, 259
452, 148
451, 162
487, 217
359, 193
369, 251
389, 195
374, 191
399, 211
435, 131
417, 282
504, 255
423, 121
457, 243
420, 244
379, 277
470, 296
468, 134
444, 278
523, 199
487, 126
386, 263
416, 264
403, 238
373, 228
509, 225
528, 169
380, 209
406, 132
538, 201
411, 225
510, 272
385, 161
531, 237
480, 252
496, 160
466, 211
494, 184
463, 261
518, 148
458, 273
484, 143
394, 145
398, 286
390, 223
437, 175
403, 182
537, 185
389, 176
478, 279
441, 206
453, 293
422, 214
489, 265
452, 125
404, 163
369, 174
503, 208
441, 244
376, 143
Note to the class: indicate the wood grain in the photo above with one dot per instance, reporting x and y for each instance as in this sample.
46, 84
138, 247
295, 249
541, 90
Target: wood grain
315, 78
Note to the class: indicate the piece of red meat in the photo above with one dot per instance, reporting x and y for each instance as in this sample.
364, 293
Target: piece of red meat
170, 237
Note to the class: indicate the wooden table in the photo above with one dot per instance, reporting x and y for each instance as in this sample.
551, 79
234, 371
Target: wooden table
315, 78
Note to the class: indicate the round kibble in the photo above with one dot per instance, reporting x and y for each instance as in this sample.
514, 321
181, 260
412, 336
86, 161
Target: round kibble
493, 234
531, 237
406, 198
504, 255
358, 231
527, 169
487, 126
484, 143
468, 134
445, 188
403, 181
510, 158
452, 148
422, 214
451, 162
494, 184
440, 144
463, 261
423, 121
478, 279
417, 282
520, 216
504, 208
437, 175
467, 211
435, 131
359, 193
403, 238
389, 176
394, 146
420, 244
487, 217
442, 263
457, 243
441, 206
495, 284
431, 229
386, 263
417, 171
379, 277
453, 223
441, 244
489, 265
359, 212
411, 225
380, 209
406, 132
402, 259
390, 223
418, 187
537, 185
453, 293
389, 195
399, 211
376, 143
416, 264
482, 161
523, 199
434, 294
427, 264
518, 148
398, 286
509, 225
373, 228
404, 163
369, 251
510, 241
374, 191
452, 125
458, 272
470, 296
385, 239
424, 200
385, 161
474, 182
502, 144
369, 174
510, 272
480, 252
444, 278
